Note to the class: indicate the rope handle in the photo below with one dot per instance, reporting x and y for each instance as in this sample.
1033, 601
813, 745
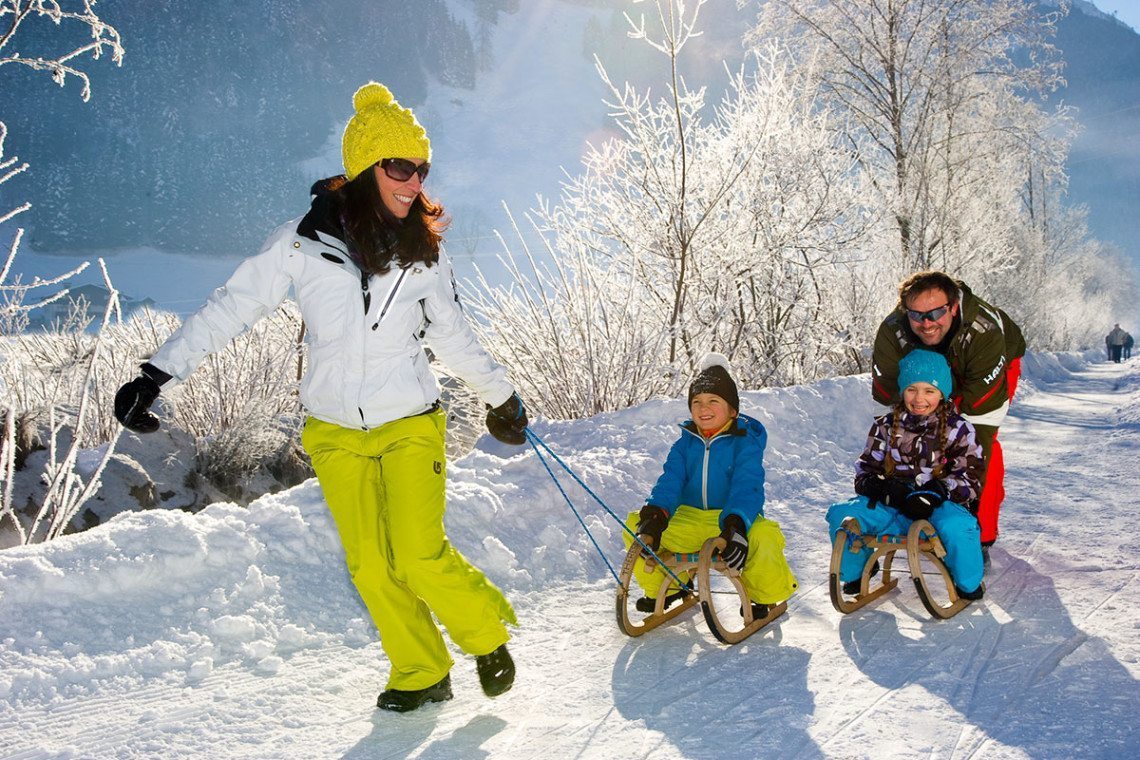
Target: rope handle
535, 442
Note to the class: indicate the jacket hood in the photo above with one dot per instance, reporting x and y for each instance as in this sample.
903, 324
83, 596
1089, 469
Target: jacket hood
324, 211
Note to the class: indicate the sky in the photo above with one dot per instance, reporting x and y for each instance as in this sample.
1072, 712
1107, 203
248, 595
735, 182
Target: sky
1127, 11
236, 632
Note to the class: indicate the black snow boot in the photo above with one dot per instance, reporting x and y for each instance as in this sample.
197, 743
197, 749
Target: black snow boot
974, 595
398, 700
496, 671
758, 611
985, 558
649, 603
851, 588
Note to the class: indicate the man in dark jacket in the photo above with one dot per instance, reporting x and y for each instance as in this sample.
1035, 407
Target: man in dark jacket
983, 347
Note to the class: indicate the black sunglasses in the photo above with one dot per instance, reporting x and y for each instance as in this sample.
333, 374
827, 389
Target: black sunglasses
401, 169
927, 316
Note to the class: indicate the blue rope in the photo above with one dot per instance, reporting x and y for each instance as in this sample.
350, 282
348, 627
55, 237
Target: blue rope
571, 504
535, 442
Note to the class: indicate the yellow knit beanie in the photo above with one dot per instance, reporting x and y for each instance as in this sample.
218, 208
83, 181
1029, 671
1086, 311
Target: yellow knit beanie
380, 128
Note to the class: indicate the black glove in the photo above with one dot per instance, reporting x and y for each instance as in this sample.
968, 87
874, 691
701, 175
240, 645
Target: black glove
651, 522
895, 492
735, 549
923, 500
507, 421
873, 487
134, 399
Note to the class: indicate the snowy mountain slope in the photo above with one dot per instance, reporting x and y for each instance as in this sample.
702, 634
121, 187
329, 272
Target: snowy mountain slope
236, 633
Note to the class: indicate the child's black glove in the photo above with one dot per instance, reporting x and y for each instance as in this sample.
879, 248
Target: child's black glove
923, 500
880, 488
133, 400
735, 549
872, 486
895, 492
651, 523
507, 421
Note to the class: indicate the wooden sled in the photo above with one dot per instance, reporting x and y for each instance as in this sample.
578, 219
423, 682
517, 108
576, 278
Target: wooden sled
919, 542
698, 566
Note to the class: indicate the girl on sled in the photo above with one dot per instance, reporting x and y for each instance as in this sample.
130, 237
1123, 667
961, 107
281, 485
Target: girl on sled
922, 462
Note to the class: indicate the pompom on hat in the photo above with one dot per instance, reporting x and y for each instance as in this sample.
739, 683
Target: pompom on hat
715, 376
380, 128
922, 366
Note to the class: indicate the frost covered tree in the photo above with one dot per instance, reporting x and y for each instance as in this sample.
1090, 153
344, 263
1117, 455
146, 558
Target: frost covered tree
696, 227
27, 397
83, 34
939, 100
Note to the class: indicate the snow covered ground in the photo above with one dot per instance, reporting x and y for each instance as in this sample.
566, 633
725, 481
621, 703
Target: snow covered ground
236, 633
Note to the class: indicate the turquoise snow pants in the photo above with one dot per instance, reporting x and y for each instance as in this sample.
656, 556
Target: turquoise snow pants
958, 529
385, 488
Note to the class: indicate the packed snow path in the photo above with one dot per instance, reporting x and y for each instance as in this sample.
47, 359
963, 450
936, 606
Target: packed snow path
236, 633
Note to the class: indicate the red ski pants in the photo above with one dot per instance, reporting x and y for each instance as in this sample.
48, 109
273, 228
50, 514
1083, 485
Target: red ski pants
993, 492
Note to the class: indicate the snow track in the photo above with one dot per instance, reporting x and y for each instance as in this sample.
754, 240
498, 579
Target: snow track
266, 652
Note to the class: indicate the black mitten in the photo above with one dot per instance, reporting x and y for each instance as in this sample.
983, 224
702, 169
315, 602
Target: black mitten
923, 500
874, 487
735, 549
133, 400
507, 421
895, 492
651, 523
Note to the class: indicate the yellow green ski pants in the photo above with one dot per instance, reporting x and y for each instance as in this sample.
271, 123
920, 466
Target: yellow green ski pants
766, 575
386, 490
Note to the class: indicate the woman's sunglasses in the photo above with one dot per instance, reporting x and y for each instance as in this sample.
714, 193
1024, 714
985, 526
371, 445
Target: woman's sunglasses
401, 169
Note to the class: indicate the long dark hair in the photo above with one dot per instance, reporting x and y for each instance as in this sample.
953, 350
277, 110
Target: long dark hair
378, 237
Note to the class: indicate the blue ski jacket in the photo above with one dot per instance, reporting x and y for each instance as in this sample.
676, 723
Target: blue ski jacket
725, 472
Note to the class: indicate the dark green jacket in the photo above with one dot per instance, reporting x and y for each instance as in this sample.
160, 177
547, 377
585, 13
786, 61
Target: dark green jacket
983, 341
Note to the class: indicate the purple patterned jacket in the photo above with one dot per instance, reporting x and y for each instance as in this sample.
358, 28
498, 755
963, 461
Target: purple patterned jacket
915, 452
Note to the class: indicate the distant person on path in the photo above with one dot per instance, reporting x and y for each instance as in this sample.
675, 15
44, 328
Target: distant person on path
983, 347
922, 462
1127, 353
1115, 341
713, 483
372, 281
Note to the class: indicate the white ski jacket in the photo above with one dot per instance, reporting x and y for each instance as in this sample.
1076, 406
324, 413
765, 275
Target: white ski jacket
367, 364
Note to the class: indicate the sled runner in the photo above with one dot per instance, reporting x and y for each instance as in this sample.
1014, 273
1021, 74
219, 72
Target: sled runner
920, 541
699, 567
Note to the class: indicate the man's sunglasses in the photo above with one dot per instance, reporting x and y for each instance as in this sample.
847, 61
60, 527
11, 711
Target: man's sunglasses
401, 169
927, 316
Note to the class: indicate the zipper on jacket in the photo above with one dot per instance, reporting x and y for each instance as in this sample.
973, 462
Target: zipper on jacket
708, 442
705, 474
391, 297
364, 289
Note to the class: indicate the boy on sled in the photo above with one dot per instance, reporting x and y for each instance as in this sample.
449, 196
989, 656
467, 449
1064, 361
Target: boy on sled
713, 483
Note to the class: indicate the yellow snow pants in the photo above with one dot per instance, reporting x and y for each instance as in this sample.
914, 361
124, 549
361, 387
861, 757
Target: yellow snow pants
766, 575
385, 488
